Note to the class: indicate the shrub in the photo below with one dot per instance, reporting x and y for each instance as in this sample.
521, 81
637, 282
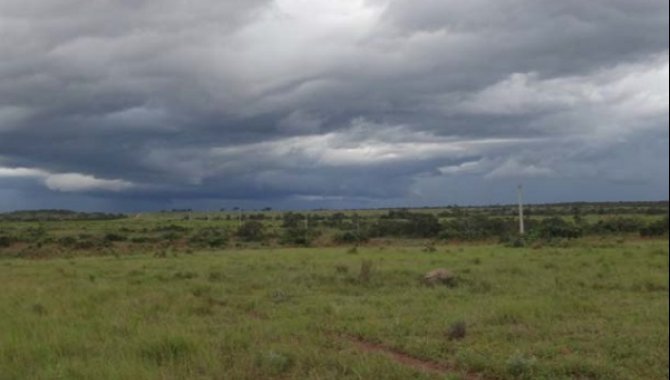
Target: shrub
67, 241
618, 225
402, 223
5, 241
478, 227
115, 237
251, 230
657, 228
558, 228
298, 236
349, 237
210, 237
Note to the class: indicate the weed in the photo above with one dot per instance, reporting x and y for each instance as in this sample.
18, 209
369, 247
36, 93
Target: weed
167, 349
549, 265
201, 290
278, 296
273, 363
203, 310
366, 271
38, 309
658, 252
185, 275
479, 286
341, 268
216, 276
520, 365
456, 330
429, 248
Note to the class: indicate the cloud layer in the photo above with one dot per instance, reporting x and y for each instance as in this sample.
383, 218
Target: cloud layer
296, 103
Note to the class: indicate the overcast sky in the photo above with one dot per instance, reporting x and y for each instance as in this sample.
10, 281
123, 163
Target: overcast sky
127, 105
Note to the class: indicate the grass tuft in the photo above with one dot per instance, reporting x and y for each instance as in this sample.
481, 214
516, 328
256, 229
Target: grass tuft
366, 271
167, 349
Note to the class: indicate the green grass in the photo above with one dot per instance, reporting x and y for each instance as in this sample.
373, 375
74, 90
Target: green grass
592, 311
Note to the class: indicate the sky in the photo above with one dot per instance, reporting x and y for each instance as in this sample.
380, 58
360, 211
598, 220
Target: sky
131, 105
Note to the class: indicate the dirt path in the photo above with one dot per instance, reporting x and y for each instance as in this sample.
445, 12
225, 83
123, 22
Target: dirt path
403, 358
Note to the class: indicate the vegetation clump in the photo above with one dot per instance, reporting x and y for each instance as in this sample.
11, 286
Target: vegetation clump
251, 231
520, 365
456, 330
366, 271
439, 276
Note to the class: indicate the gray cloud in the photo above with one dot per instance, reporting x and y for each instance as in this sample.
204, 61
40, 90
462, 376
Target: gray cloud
307, 103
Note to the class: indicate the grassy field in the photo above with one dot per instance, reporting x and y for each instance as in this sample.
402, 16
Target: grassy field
591, 309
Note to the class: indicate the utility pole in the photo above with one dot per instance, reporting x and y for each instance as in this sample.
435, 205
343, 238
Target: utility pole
519, 192
306, 226
358, 229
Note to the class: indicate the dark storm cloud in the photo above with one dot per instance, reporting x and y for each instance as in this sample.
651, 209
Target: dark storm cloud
147, 104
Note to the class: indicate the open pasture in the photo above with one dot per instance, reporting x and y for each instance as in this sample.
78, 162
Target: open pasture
591, 310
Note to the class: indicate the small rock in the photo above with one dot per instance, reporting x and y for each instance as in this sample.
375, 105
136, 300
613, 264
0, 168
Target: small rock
439, 276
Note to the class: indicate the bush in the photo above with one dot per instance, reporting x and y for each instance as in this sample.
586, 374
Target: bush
251, 230
618, 225
657, 228
298, 236
115, 237
349, 237
558, 228
5, 241
403, 223
210, 237
67, 241
478, 227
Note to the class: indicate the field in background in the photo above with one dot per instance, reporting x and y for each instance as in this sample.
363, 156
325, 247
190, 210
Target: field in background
594, 310
53, 233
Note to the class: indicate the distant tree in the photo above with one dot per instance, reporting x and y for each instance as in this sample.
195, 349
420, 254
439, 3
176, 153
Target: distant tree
251, 230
